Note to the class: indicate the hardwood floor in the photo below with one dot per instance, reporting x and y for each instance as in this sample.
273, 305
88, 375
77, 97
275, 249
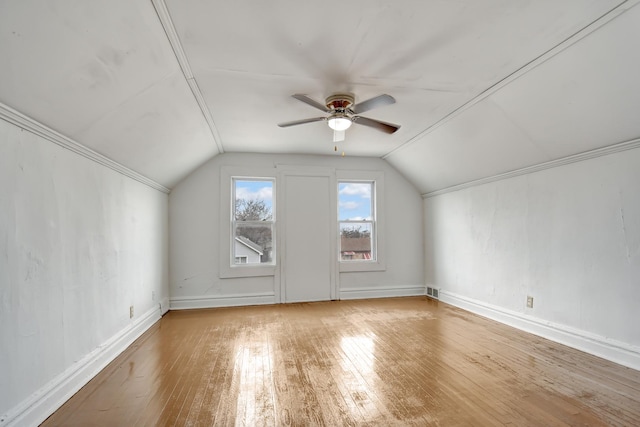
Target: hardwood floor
400, 361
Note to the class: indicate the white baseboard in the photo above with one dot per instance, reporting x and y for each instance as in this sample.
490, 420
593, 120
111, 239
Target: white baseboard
186, 303
44, 402
615, 351
164, 306
382, 292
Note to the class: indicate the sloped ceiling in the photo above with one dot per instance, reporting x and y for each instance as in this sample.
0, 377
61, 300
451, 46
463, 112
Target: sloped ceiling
482, 87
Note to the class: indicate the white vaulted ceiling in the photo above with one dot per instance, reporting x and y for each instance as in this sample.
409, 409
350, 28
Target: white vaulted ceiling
482, 87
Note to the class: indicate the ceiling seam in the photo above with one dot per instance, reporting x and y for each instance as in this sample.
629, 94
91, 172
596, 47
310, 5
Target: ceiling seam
174, 40
574, 158
515, 123
31, 125
78, 131
532, 64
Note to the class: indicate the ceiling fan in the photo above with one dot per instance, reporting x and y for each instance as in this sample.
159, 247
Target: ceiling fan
343, 111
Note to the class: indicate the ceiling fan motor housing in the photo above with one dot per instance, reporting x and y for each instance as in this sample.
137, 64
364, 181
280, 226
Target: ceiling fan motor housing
340, 102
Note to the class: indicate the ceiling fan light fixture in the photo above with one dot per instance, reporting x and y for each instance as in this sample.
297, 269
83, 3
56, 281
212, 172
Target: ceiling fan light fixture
342, 111
339, 123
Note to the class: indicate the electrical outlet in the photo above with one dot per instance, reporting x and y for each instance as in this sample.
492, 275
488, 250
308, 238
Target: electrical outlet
130, 312
153, 295
530, 302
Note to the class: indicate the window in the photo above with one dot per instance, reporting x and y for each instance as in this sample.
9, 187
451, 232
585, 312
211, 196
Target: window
253, 221
357, 221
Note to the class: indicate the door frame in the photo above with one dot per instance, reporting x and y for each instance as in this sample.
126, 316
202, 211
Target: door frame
285, 171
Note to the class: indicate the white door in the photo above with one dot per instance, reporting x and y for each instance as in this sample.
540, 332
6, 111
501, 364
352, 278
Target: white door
307, 265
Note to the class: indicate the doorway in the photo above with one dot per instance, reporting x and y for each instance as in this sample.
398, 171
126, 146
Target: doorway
308, 263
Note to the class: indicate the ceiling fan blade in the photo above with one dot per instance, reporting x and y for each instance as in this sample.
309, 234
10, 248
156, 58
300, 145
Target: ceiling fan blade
309, 101
381, 126
372, 103
301, 122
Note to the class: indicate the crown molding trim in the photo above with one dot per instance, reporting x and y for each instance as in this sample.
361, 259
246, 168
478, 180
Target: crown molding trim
24, 122
534, 63
592, 154
174, 40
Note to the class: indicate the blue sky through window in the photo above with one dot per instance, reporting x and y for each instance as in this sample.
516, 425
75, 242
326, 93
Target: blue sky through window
255, 190
354, 200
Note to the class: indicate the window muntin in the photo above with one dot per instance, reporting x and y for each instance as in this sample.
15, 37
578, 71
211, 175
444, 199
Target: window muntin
356, 221
253, 221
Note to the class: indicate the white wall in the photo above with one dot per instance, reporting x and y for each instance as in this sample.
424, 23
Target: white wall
194, 216
79, 244
567, 236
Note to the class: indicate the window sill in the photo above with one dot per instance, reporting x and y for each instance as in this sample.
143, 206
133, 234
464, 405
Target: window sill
247, 271
361, 266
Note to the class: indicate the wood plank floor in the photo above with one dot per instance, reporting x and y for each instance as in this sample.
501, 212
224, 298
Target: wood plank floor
399, 361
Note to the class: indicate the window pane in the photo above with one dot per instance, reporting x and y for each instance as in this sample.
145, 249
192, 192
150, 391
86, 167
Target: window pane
354, 201
253, 200
253, 243
253, 221
355, 241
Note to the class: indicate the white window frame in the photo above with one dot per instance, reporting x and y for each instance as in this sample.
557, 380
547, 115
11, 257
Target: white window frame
228, 268
371, 223
378, 261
